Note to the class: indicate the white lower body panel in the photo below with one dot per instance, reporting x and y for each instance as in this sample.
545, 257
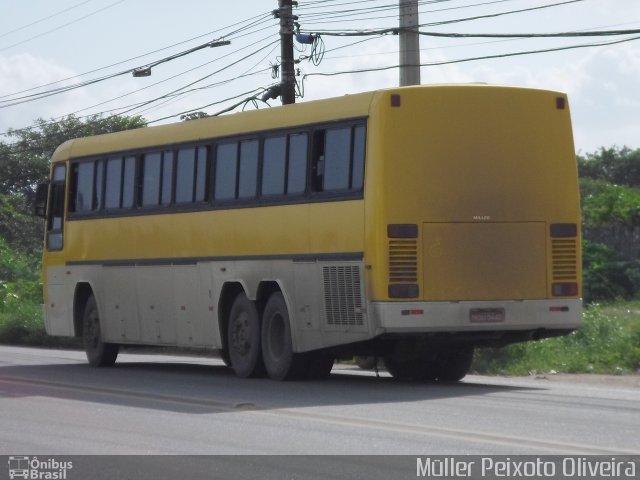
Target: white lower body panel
405, 317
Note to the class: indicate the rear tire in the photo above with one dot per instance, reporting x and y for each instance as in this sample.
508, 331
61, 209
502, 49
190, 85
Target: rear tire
320, 365
243, 338
368, 362
410, 360
409, 369
453, 365
99, 353
280, 361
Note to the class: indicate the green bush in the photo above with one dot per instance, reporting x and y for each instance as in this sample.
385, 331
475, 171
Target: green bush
606, 276
21, 319
616, 165
606, 342
606, 203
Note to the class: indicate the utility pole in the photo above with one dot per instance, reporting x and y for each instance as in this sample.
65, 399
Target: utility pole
288, 84
409, 43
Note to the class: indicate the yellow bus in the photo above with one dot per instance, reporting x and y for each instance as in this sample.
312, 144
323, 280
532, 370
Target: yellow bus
413, 224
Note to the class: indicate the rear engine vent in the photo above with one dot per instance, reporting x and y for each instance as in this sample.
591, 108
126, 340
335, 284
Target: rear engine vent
342, 295
403, 261
564, 255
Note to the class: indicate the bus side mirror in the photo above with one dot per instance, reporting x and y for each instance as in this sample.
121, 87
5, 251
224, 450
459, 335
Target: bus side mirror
40, 204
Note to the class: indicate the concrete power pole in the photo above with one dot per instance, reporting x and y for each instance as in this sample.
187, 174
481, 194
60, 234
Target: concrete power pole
288, 85
409, 43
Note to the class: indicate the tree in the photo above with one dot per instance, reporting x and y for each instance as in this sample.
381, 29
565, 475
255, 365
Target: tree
193, 116
24, 163
620, 166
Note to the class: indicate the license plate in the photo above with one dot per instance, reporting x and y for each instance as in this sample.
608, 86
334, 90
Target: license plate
486, 315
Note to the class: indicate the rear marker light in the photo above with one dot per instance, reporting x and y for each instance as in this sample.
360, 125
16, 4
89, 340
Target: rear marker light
564, 230
558, 309
402, 231
412, 312
395, 100
561, 103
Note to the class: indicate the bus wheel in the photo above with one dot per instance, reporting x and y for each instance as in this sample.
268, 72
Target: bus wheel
454, 365
410, 361
320, 365
280, 361
99, 354
366, 362
243, 338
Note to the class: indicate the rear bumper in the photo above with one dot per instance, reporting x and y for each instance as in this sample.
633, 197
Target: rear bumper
426, 317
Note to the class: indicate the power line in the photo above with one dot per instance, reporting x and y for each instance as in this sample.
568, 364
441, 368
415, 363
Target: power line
170, 95
395, 30
62, 26
601, 33
205, 77
255, 20
38, 96
472, 59
44, 18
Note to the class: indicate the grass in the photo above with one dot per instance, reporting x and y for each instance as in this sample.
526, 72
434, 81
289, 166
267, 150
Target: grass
608, 342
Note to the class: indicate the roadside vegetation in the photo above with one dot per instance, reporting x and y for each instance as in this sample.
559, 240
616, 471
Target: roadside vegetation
609, 339
607, 342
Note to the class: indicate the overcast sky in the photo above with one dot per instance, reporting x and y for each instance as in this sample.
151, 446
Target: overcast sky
72, 41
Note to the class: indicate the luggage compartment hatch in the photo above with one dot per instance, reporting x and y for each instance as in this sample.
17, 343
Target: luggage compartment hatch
484, 261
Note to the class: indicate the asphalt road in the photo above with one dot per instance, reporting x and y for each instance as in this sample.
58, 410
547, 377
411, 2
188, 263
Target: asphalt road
52, 402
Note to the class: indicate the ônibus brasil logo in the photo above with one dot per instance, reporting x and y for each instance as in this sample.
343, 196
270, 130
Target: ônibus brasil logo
33, 468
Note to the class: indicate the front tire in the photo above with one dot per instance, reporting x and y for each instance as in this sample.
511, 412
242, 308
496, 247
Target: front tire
243, 338
280, 361
99, 353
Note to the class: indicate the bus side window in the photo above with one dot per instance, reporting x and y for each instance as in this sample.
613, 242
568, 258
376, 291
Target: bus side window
185, 172
357, 169
150, 182
166, 195
99, 186
297, 165
202, 174
226, 171
337, 153
248, 171
113, 184
338, 158
128, 182
317, 165
273, 165
55, 222
82, 178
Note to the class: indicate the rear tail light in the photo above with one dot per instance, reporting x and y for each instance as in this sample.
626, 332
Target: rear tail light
564, 289
403, 291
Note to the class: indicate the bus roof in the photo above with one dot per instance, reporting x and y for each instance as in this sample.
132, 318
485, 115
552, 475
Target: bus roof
348, 106
316, 111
